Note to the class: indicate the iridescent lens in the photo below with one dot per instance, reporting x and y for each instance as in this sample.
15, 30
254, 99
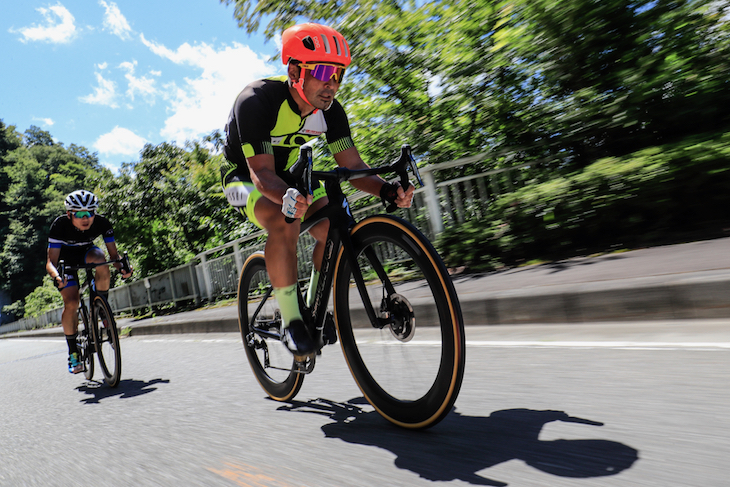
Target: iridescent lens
324, 72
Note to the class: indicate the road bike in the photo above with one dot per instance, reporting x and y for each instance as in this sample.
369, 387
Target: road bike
97, 328
395, 309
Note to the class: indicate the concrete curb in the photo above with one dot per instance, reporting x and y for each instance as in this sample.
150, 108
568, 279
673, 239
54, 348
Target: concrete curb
703, 300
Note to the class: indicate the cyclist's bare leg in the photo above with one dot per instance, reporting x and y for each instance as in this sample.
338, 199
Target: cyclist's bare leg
281, 244
102, 274
281, 250
69, 317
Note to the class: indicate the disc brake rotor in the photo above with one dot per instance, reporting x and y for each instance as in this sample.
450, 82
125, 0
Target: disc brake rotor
399, 312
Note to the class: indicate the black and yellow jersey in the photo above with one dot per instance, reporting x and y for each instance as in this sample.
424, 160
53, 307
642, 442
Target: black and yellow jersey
265, 119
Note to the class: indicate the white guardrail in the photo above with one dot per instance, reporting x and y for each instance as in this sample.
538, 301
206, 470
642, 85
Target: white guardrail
214, 273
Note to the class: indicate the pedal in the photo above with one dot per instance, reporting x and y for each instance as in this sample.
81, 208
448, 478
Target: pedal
304, 358
304, 364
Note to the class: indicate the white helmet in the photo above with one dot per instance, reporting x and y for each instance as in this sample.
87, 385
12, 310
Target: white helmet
82, 200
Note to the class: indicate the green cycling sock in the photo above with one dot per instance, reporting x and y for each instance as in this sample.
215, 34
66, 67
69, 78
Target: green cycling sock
312, 287
288, 304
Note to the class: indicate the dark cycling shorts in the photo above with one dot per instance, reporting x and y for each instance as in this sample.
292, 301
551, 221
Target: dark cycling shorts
74, 256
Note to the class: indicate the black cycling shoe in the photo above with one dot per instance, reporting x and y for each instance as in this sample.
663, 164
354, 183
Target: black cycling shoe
297, 339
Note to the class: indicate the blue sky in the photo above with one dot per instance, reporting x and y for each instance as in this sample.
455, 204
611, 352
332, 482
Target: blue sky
114, 76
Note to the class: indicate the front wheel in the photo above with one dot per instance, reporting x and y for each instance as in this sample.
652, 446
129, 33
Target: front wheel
409, 362
107, 342
260, 324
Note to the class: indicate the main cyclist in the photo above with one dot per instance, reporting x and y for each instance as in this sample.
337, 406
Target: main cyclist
71, 238
270, 120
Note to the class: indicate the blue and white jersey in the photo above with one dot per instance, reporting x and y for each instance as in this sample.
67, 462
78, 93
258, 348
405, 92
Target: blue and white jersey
64, 234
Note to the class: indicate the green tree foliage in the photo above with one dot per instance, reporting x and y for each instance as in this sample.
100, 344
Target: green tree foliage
35, 176
167, 207
9, 141
610, 77
43, 298
566, 81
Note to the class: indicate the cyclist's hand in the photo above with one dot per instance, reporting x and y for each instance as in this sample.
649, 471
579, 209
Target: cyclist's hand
294, 204
128, 273
60, 281
405, 197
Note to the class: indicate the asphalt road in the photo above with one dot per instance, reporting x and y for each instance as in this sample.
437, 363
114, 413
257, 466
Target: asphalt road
630, 404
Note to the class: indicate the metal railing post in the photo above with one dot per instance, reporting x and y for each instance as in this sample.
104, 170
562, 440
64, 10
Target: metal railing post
237, 257
194, 283
206, 277
432, 201
172, 288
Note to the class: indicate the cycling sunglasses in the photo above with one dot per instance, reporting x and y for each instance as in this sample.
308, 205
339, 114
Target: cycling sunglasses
325, 72
82, 214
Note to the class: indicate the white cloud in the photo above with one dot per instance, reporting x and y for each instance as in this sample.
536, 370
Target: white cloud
144, 85
114, 21
59, 27
46, 121
104, 94
201, 105
120, 141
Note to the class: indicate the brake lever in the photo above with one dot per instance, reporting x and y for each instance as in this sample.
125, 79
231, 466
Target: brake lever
412, 164
400, 167
126, 267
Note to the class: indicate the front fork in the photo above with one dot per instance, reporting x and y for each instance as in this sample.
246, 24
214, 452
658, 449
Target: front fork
385, 318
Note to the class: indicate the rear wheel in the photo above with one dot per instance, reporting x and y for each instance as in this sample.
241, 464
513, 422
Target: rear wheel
260, 324
409, 364
85, 343
107, 342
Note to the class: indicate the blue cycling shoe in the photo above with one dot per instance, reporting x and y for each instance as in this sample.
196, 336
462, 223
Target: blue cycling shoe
74, 364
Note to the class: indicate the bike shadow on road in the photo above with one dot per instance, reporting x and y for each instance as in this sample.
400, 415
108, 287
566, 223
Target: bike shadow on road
98, 390
461, 446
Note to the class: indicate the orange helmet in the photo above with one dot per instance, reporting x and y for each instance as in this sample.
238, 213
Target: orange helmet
314, 43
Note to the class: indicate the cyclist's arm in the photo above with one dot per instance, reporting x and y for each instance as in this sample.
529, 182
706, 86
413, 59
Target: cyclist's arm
263, 175
51, 260
111, 248
350, 158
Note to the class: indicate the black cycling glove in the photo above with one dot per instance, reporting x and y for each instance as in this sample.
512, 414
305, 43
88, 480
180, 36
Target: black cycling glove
388, 195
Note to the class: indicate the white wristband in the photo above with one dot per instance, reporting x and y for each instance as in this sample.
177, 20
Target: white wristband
289, 201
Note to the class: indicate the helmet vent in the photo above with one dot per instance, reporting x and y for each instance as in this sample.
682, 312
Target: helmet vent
337, 45
308, 43
326, 42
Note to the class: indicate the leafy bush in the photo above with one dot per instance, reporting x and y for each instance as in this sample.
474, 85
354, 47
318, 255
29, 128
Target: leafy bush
656, 195
43, 298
